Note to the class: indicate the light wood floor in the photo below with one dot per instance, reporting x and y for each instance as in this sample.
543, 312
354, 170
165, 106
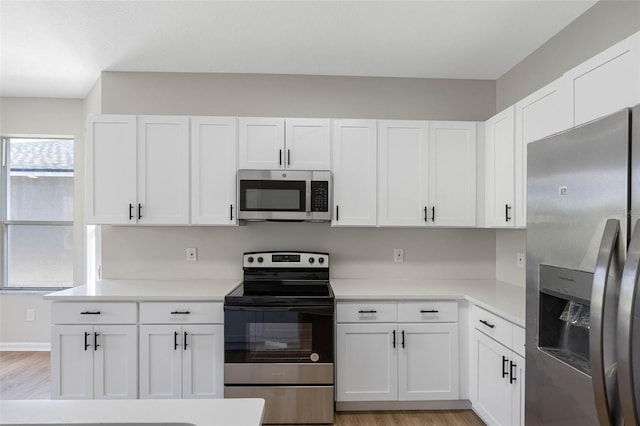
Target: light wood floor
25, 375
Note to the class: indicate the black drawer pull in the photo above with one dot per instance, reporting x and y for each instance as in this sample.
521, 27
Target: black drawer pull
512, 375
432, 311
86, 344
90, 313
130, 211
175, 340
95, 341
367, 312
185, 341
487, 324
394, 339
504, 371
403, 338
180, 313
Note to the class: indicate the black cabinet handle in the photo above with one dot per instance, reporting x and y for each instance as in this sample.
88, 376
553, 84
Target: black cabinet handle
433, 213
95, 341
180, 312
368, 312
425, 213
175, 340
431, 311
337, 213
139, 211
90, 313
506, 212
487, 324
512, 375
230, 211
185, 341
130, 211
288, 157
504, 362
394, 339
280, 157
86, 343
403, 338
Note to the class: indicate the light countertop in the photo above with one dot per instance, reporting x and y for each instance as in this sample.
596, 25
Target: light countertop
197, 412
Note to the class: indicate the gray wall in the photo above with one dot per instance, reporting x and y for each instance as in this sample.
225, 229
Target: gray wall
600, 27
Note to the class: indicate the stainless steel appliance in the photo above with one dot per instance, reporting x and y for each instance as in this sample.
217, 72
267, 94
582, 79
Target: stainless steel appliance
279, 338
583, 258
284, 195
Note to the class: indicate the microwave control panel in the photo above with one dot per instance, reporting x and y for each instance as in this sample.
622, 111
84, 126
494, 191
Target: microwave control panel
319, 196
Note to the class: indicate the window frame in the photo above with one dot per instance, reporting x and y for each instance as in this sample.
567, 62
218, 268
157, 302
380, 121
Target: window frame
5, 223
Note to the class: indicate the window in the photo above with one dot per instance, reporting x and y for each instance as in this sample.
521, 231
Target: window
37, 213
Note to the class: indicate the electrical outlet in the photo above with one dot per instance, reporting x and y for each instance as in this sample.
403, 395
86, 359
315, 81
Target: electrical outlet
520, 260
31, 314
398, 255
192, 254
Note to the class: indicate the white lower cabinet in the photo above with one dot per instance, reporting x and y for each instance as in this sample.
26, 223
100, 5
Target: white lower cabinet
94, 362
380, 358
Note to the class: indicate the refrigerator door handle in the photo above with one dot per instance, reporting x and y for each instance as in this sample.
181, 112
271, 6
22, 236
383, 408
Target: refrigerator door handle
596, 333
626, 312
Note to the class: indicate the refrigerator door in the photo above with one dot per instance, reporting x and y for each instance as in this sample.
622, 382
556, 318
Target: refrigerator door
577, 180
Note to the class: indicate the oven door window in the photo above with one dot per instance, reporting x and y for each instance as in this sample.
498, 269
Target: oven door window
277, 195
257, 336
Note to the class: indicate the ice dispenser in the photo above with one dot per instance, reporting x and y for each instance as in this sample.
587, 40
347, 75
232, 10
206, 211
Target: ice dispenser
563, 327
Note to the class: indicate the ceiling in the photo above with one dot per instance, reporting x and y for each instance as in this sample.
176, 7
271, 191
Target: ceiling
58, 48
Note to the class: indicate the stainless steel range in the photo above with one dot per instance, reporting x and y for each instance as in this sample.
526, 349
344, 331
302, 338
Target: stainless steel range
278, 336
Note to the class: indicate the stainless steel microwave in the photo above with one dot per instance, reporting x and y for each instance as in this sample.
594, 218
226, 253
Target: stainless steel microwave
284, 195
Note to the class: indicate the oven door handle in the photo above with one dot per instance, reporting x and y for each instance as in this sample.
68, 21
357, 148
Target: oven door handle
310, 309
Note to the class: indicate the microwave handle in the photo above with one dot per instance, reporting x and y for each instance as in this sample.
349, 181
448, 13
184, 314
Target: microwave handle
308, 197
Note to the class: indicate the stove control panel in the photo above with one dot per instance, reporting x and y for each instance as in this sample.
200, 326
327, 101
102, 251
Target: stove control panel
285, 259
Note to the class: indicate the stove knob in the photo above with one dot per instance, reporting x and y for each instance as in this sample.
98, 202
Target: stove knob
250, 259
311, 260
321, 260
260, 259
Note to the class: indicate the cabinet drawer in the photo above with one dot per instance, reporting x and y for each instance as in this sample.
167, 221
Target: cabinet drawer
519, 340
181, 312
428, 311
367, 312
492, 325
94, 313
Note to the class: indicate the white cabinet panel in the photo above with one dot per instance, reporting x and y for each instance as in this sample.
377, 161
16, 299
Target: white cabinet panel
308, 144
163, 170
452, 173
354, 150
402, 170
71, 362
366, 362
261, 143
517, 399
160, 361
203, 361
214, 163
111, 169
500, 186
115, 361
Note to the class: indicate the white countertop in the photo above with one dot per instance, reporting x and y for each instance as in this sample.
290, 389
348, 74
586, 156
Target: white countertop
198, 412
148, 290
503, 299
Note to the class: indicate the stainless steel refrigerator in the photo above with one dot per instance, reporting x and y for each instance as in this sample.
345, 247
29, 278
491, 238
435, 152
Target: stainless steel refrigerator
583, 256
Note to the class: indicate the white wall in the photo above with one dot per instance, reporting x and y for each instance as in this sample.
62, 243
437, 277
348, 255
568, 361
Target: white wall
509, 242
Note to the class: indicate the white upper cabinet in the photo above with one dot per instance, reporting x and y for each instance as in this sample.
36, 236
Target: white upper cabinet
111, 169
543, 113
214, 159
403, 192
452, 173
163, 170
354, 148
276, 143
500, 185
607, 82
308, 144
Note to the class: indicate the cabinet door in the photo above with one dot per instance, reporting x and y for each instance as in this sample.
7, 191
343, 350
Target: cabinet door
607, 82
428, 362
163, 170
541, 114
261, 143
115, 363
161, 349
367, 365
203, 361
111, 169
517, 400
214, 163
500, 185
452, 173
71, 362
308, 144
354, 172
402, 166
491, 393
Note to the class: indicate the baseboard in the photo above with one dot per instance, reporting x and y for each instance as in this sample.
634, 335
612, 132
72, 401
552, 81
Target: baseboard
25, 346
402, 405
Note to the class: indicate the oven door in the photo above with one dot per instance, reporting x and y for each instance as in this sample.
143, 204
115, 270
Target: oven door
278, 334
274, 195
